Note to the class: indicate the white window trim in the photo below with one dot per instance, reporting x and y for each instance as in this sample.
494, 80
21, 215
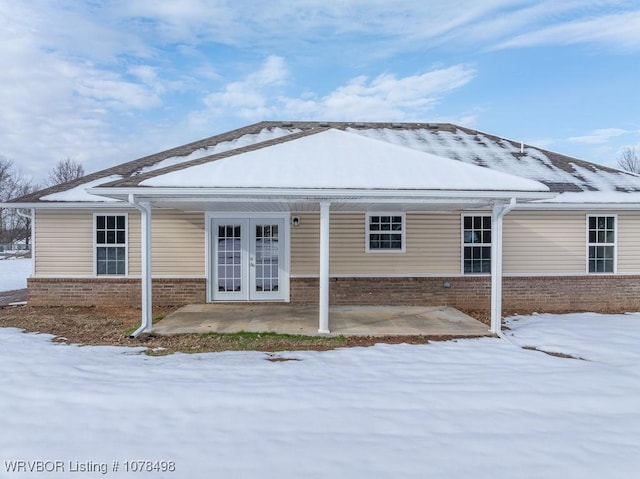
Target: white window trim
614, 244
462, 243
403, 248
126, 245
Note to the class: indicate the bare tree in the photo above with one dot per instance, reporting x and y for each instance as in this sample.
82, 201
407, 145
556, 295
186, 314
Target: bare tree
64, 171
12, 185
629, 160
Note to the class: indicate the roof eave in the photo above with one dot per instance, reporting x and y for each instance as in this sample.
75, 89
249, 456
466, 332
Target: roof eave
250, 194
65, 204
578, 206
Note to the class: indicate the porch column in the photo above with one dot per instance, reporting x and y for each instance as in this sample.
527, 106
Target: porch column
147, 295
323, 305
497, 215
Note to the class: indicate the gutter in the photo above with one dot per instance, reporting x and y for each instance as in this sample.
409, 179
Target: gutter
146, 323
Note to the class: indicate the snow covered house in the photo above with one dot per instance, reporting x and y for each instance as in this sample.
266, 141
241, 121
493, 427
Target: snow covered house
343, 213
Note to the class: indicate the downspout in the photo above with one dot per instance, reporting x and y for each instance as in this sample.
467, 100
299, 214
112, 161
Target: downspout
146, 323
499, 211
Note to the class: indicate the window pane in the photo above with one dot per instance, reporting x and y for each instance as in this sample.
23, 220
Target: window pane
385, 232
111, 230
468, 222
601, 232
610, 222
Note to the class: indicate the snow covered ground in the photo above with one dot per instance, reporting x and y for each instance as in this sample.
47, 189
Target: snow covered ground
14, 273
473, 408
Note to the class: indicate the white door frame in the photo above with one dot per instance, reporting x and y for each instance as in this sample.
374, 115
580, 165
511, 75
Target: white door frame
284, 265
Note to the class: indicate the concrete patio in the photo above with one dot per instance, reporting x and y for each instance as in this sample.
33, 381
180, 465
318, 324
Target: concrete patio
343, 320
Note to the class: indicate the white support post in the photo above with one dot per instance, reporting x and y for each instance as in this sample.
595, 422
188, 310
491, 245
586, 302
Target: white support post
497, 215
496, 269
323, 305
147, 299
147, 295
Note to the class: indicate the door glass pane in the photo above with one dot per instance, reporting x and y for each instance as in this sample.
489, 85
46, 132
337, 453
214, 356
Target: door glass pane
266, 258
229, 258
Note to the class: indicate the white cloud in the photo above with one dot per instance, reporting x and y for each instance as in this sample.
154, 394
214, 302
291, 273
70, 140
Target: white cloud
391, 27
385, 97
620, 30
249, 97
598, 137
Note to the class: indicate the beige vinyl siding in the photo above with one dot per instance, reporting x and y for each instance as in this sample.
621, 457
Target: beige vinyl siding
178, 243
545, 242
134, 243
64, 242
628, 239
432, 246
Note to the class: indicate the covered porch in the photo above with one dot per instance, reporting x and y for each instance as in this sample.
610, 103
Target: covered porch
325, 173
430, 321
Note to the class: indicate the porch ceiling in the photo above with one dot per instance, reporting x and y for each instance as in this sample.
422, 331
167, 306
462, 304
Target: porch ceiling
311, 207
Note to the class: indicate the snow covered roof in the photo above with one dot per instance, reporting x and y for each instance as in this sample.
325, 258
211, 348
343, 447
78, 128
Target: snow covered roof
335, 159
558, 172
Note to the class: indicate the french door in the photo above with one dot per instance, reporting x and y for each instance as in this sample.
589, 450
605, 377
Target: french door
247, 260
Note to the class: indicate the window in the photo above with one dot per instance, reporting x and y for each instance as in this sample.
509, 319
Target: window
111, 244
385, 232
476, 248
601, 243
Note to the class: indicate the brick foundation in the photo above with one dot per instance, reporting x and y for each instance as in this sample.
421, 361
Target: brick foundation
556, 294
520, 294
112, 291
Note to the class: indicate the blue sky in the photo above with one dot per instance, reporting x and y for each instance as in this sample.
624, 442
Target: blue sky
108, 81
